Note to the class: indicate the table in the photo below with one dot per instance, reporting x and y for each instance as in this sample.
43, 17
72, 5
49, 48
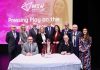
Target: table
49, 62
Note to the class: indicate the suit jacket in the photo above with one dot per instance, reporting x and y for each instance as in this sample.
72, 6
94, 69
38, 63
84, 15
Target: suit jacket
23, 36
32, 49
12, 42
78, 35
33, 33
39, 38
64, 47
39, 41
68, 33
49, 35
57, 38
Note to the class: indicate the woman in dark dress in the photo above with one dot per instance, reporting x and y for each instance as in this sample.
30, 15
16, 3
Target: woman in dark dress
84, 48
56, 38
65, 47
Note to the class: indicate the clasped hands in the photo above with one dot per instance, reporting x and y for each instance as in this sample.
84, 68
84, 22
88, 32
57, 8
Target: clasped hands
65, 53
28, 54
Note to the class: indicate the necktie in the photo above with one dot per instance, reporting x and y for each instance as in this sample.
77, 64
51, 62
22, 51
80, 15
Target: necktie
49, 30
74, 43
14, 33
30, 47
25, 34
35, 31
74, 40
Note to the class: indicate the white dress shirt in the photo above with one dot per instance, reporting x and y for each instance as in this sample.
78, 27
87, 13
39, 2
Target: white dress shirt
74, 38
14, 34
43, 37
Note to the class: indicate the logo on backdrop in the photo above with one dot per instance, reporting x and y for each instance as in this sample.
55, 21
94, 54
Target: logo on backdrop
27, 6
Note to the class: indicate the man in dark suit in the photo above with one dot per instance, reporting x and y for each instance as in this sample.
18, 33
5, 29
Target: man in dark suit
66, 31
75, 35
33, 32
12, 38
65, 46
49, 30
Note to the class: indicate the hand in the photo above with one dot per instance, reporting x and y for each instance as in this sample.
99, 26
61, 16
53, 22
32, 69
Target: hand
43, 42
63, 53
57, 42
29, 54
68, 53
79, 47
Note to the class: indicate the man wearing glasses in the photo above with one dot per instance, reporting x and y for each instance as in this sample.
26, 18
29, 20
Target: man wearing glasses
29, 48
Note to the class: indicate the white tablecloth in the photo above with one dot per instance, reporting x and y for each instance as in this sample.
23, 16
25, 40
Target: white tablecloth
50, 62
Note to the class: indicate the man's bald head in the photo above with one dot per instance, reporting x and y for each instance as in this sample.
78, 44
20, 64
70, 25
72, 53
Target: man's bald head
13, 27
66, 38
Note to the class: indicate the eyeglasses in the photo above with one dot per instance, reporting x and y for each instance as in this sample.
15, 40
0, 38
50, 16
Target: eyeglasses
30, 39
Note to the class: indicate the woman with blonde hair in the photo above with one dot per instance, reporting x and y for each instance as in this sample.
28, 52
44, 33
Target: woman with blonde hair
41, 38
23, 34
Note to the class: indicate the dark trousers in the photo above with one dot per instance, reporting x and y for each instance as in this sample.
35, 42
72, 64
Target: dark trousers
13, 51
76, 51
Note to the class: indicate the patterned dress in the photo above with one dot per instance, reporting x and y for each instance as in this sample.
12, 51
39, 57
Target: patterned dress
85, 57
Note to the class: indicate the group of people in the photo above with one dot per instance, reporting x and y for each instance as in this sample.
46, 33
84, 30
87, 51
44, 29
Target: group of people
51, 40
